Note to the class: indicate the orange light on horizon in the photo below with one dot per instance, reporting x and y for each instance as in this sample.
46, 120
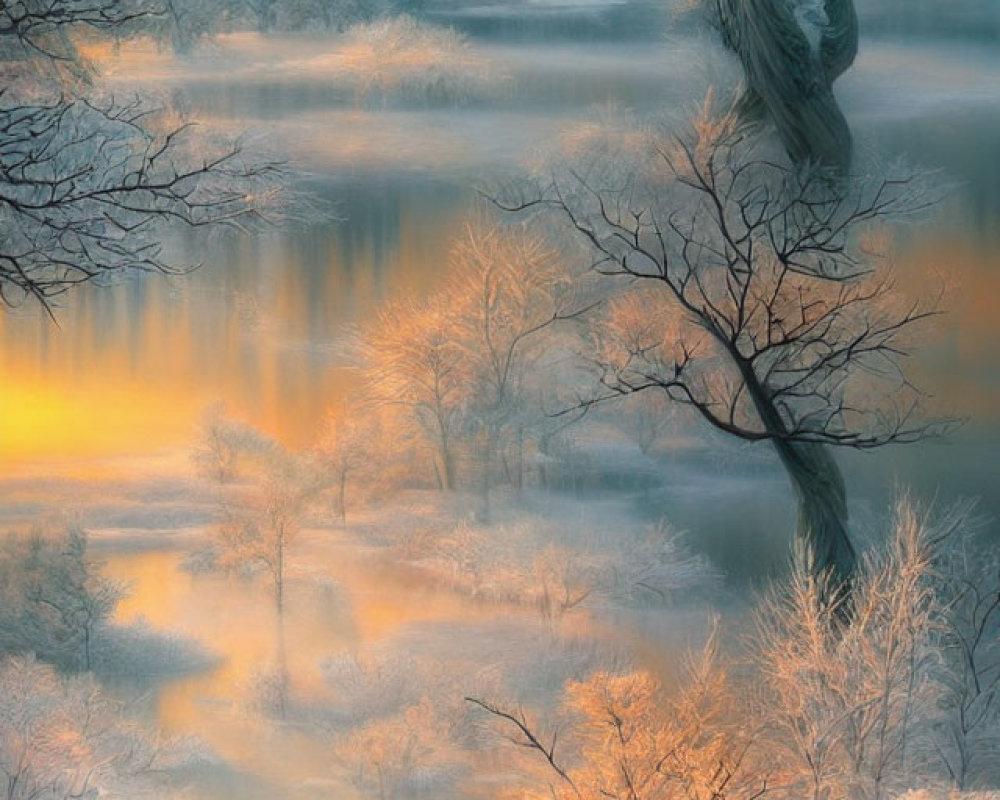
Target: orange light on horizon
43, 418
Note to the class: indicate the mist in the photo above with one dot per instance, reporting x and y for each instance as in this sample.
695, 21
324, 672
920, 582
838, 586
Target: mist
487, 401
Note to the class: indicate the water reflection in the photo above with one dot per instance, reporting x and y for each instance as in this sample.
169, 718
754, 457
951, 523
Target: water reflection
263, 324
337, 603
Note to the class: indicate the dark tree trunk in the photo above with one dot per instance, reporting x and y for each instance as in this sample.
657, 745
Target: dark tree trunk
788, 80
266, 16
279, 576
489, 448
819, 487
822, 525
87, 657
446, 474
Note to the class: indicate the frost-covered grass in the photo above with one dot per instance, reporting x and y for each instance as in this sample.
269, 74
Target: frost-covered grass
553, 563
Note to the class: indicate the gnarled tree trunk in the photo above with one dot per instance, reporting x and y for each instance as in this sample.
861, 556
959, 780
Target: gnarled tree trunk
822, 524
819, 488
790, 65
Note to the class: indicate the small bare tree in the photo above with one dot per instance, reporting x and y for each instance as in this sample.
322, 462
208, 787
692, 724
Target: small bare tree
226, 445
414, 362
348, 449
259, 530
969, 583
507, 289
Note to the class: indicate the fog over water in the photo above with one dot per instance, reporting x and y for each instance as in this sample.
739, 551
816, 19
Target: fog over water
99, 414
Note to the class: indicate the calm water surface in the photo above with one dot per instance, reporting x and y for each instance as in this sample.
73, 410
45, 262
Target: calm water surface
265, 324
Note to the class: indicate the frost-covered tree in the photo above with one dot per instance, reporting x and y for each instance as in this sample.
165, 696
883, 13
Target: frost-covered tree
348, 449
63, 738
404, 59
507, 289
54, 599
414, 363
264, 489
227, 447
90, 183
967, 577
758, 296
265, 518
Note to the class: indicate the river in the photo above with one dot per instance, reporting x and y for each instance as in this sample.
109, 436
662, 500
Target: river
265, 323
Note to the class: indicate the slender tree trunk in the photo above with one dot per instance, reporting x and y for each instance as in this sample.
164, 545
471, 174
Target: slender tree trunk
448, 462
520, 458
447, 473
86, 647
342, 498
266, 16
279, 576
282, 667
489, 446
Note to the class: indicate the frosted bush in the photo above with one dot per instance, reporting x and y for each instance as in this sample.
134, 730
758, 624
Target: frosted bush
657, 567
62, 737
268, 692
412, 754
367, 686
402, 59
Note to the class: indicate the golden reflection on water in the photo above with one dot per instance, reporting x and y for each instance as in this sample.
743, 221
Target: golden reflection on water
236, 619
129, 368
339, 600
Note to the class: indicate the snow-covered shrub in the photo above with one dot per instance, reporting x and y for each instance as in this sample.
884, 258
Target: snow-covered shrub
412, 754
369, 686
888, 692
657, 567
622, 735
52, 597
403, 59
864, 698
63, 738
268, 692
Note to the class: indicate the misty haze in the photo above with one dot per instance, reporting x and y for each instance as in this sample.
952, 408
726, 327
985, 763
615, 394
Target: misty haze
524, 399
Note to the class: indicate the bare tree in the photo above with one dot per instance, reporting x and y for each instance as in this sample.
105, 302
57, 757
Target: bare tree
348, 449
40, 24
90, 184
413, 362
969, 581
760, 297
264, 518
507, 289
227, 447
